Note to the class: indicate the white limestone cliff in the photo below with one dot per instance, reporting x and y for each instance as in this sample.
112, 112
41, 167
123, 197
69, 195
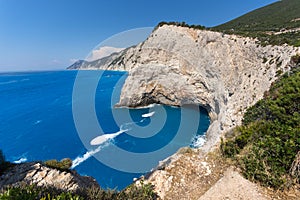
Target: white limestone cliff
179, 65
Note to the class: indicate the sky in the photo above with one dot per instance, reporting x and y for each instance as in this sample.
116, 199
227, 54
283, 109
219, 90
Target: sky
51, 34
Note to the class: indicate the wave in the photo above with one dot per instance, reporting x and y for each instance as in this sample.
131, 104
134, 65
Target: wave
21, 160
8, 82
198, 141
13, 81
151, 105
148, 114
37, 122
148, 106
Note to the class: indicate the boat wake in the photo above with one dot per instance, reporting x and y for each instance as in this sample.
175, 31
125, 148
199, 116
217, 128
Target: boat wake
104, 140
148, 114
80, 159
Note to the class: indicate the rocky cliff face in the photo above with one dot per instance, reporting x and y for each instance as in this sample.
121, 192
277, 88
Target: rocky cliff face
178, 65
41, 175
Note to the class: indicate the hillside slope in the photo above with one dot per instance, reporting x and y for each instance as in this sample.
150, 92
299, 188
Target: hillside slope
274, 17
275, 24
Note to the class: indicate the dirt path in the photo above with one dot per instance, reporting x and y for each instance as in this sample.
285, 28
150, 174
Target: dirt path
234, 186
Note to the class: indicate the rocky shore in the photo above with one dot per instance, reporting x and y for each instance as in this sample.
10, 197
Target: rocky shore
39, 174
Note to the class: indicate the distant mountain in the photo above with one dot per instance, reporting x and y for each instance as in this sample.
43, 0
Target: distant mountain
83, 64
78, 64
97, 57
276, 24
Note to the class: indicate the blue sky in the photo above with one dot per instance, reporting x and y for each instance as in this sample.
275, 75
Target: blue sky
49, 34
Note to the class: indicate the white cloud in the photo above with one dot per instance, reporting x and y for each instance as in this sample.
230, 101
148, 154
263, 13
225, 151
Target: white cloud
73, 60
103, 52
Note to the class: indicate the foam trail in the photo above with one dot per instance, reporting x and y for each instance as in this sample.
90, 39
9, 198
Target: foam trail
150, 105
21, 160
148, 114
103, 138
8, 82
80, 159
100, 140
126, 126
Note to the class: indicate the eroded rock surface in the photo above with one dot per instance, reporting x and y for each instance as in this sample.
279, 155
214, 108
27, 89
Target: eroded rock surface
225, 74
178, 65
41, 175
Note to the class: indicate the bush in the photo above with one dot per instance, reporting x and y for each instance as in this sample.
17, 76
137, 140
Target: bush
181, 24
96, 193
32, 192
4, 165
2, 158
64, 164
266, 144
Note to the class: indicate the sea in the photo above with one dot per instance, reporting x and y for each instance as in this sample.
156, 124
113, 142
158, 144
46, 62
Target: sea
44, 115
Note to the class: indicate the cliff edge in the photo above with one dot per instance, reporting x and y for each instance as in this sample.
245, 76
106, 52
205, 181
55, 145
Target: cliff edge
39, 174
180, 65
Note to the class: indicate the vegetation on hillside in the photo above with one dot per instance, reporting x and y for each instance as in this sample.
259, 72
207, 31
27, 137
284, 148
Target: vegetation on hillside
33, 192
64, 164
267, 144
4, 165
274, 17
274, 24
181, 24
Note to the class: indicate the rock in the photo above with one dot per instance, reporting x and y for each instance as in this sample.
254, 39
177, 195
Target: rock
41, 175
225, 74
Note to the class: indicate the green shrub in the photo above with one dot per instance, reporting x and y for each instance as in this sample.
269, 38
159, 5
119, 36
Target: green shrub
138, 192
4, 165
263, 23
64, 164
96, 193
2, 158
181, 24
266, 144
33, 192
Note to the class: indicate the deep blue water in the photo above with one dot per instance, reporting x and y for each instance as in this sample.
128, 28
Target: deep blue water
37, 123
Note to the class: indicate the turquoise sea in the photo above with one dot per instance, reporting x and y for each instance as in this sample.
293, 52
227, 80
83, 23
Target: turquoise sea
37, 122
